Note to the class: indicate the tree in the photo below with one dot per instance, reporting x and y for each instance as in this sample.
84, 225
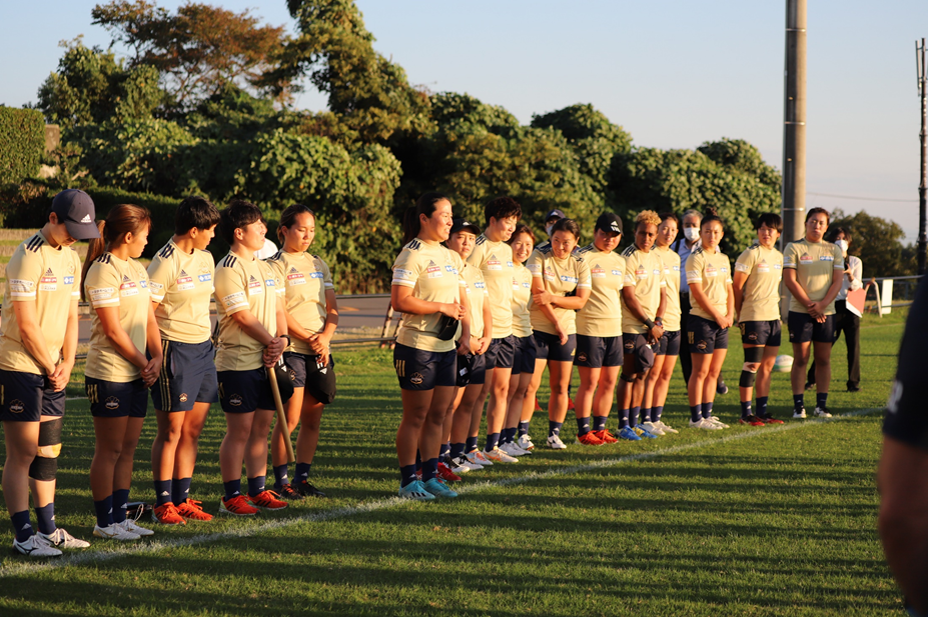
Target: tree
878, 243
198, 50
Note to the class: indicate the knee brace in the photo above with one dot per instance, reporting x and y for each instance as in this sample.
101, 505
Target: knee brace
44, 466
627, 378
752, 357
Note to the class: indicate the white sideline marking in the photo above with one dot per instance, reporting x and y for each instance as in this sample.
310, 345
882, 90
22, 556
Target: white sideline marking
114, 552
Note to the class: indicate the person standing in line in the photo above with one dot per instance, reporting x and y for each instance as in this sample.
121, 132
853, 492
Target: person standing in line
813, 271
756, 284
312, 317
708, 273
494, 258
521, 407
429, 290
252, 337
38, 342
599, 332
119, 372
667, 348
847, 317
560, 287
180, 281
644, 295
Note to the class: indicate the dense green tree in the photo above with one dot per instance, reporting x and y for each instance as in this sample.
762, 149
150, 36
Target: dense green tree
878, 243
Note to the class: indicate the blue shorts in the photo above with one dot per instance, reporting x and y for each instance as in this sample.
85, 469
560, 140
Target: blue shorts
761, 333
500, 353
307, 372
26, 397
705, 336
598, 351
245, 391
417, 369
549, 347
188, 376
523, 360
115, 399
669, 344
803, 328
478, 369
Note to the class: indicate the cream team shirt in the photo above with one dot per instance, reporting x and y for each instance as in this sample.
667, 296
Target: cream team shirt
672, 310
602, 314
306, 278
521, 297
644, 272
713, 271
761, 294
560, 277
182, 285
814, 263
477, 297
495, 261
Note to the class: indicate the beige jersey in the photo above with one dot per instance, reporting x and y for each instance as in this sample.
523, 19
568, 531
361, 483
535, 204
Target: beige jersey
644, 272
713, 272
672, 311
123, 284
495, 261
477, 297
560, 277
244, 286
434, 274
521, 297
602, 314
761, 293
814, 263
306, 278
50, 277
182, 285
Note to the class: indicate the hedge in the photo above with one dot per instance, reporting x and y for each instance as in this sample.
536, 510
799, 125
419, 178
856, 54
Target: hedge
22, 143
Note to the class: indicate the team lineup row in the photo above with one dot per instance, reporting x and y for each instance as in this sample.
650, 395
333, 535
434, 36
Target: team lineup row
483, 315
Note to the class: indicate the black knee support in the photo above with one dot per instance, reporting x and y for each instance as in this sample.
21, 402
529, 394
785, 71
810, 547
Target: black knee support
752, 355
44, 466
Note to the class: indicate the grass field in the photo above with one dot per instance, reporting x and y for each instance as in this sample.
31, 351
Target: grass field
749, 521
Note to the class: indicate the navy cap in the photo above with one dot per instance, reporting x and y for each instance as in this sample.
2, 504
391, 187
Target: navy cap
644, 358
555, 214
74, 208
609, 222
459, 224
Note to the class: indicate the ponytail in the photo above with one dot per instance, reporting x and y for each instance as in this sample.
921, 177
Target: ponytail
97, 246
424, 205
121, 220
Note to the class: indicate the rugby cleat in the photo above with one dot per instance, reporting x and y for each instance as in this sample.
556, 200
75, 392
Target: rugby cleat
822, 412
512, 449
498, 456
665, 428
589, 439
267, 500
716, 422
480, 458
167, 514
444, 472
643, 432
416, 490
525, 442
237, 506
605, 436
114, 532
704, 424
627, 433
555, 443
751, 421
132, 527
35, 546
461, 463
768, 419
308, 490
799, 414
286, 491
191, 509
652, 428
457, 468
438, 488
62, 539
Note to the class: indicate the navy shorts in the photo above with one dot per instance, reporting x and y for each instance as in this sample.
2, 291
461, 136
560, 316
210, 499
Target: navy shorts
803, 328
478, 369
598, 351
188, 376
418, 369
761, 333
26, 397
525, 353
549, 347
705, 336
307, 372
245, 391
500, 353
115, 399
669, 344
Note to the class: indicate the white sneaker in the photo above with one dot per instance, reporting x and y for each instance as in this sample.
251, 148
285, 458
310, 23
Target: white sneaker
36, 546
704, 424
525, 442
799, 414
498, 456
822, 413
132, 527
717, 422
479, 458
62, 539
463, 463
660, 424
555, 443
114, 532
512, 449
652, 428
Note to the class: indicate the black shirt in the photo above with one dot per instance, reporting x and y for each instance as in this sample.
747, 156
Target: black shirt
907, 410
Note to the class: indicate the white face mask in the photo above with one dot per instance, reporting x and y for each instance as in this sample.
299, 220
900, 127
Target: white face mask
842, 244
691, 233
548, 229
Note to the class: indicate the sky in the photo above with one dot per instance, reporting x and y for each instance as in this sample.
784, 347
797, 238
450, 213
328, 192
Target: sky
674, 74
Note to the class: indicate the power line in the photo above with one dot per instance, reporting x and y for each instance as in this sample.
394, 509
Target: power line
907, 201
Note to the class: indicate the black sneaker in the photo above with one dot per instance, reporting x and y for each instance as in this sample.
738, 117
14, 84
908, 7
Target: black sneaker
309, 490
287, 492
799, 413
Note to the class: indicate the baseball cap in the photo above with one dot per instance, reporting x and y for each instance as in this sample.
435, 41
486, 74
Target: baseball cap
555, 214
644, 358
609, 222
459, 224
74, 208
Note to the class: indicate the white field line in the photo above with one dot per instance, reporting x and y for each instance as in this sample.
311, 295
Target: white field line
111, 552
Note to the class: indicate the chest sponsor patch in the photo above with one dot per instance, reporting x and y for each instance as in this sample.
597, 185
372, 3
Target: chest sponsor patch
403, 275
827, 258
509, 264
433, 270
616, 272
235, 300
569, 279
597, 272
641, 273
711, 271
184, 282
494, 264
69, 280
295, 277
128, 287
806, 259
48, 281
316, 275
549, 275
101, 293
205, 278
480, 285
763, 267
254, 286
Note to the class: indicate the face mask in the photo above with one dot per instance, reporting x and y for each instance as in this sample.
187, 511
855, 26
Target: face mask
548, 229
842, 244
691, 233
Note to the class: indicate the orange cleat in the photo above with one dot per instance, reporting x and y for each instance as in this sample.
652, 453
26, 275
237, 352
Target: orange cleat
589, 439
605, 436
191, 509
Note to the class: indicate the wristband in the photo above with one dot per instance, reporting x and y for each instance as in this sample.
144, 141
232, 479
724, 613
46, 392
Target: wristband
649, 324
659, 321
286, 336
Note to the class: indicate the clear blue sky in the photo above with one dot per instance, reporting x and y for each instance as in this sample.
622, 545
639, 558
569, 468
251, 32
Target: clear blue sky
674, 74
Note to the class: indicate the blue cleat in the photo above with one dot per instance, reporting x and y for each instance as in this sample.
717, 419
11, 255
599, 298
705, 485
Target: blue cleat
417, 491
642, 431
438, 488
628, 433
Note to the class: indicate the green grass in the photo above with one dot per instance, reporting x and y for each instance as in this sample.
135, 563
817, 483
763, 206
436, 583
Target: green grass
779, 522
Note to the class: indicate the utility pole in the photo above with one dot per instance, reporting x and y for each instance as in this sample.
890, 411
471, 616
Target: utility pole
794, 127
922, 87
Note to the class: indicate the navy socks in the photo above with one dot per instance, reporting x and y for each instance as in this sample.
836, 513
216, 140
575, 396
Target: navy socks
583, 426
120, 501
232, 488
162, 492
599, 423
45, 517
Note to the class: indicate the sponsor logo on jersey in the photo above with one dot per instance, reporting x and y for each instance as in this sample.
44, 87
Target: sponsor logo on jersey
805, 258
616, 272
48, 282
711, 271
433, 270
235, 400
112, 403
569, 279
205, 278
493, 263
182, 398
641, 273
597, 272
316, 275
763, 267
827, 258
127, 287
17, 406
416, 379
480, 285
69, 280
254, 285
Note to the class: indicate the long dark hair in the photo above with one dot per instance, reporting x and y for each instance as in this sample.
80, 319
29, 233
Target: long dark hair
426, 205
121, 220
288, 219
